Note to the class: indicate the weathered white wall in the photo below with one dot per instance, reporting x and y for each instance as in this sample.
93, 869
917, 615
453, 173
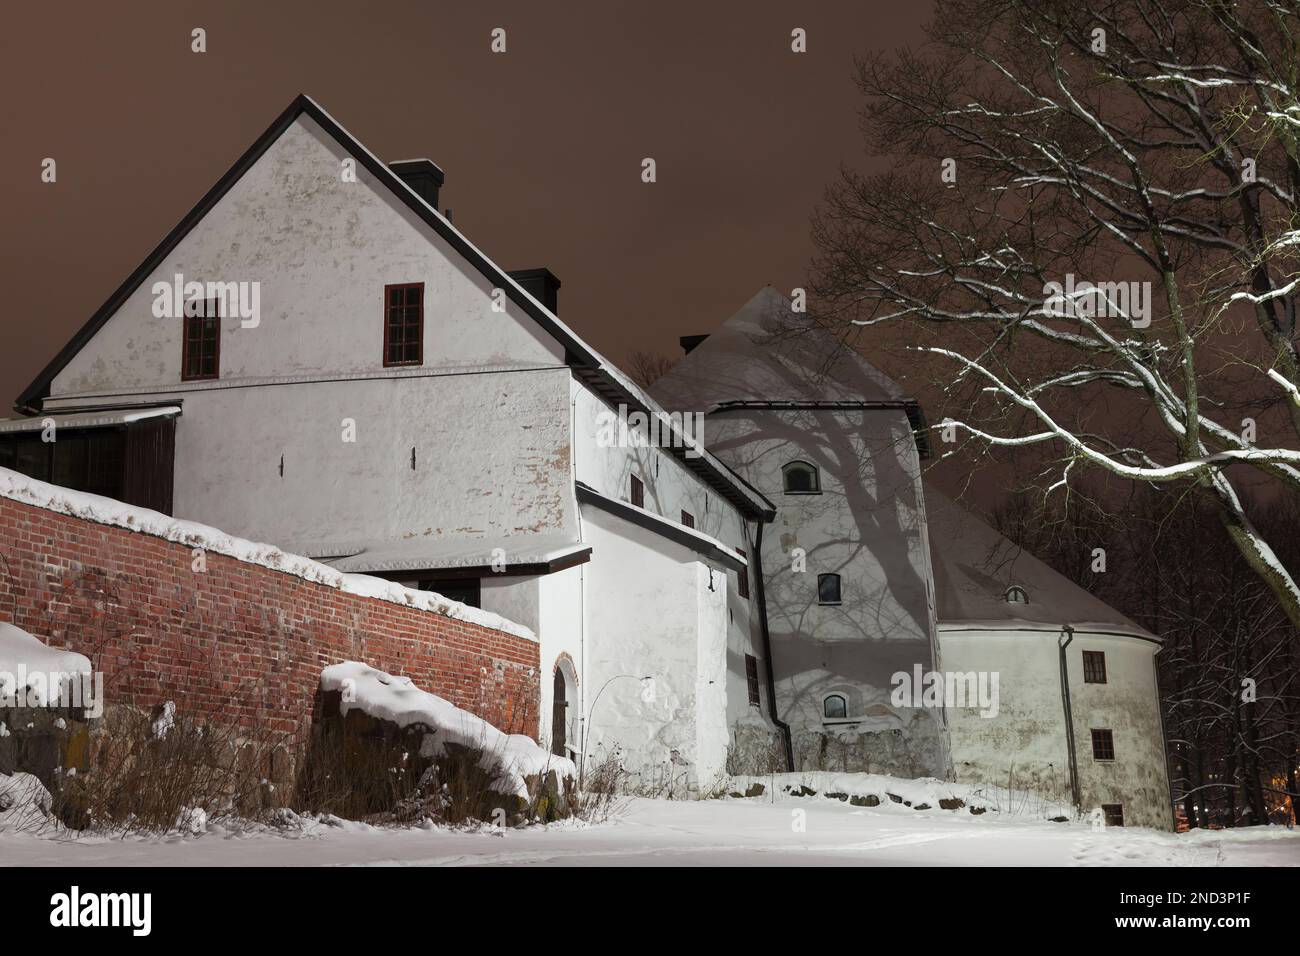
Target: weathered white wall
322, 249
661, 614
491, 459
867, 526
670, 488
561, 630
1129, 705
1025, 744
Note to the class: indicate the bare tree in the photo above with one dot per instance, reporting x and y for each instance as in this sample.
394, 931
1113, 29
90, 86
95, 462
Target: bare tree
1153, 148
645, 368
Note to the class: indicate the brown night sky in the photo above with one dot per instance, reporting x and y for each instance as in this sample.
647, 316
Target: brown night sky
541, 145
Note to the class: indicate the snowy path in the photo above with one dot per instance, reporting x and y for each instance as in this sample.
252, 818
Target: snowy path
725, 832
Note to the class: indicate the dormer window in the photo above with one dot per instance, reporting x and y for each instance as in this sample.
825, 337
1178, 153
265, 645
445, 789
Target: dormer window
404, 324
1017, 595
801, 478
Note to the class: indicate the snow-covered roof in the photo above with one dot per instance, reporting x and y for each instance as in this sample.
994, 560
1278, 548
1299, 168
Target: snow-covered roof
768, 353
100, 419
420, 552
80, 504
974, 565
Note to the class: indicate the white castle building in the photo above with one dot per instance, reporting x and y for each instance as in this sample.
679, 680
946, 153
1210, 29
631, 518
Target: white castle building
370, 389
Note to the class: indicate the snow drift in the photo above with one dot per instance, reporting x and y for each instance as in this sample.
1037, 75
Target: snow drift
512, 757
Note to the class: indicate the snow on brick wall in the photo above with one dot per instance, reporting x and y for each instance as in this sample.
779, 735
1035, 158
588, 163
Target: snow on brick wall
239, 639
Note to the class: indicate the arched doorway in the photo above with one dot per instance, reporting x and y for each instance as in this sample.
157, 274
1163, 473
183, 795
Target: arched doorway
563, 701
559, 716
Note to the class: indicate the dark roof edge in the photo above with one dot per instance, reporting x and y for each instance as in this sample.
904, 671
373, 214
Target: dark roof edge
658, 525
527, 568
577, 351
912, 408
26, 402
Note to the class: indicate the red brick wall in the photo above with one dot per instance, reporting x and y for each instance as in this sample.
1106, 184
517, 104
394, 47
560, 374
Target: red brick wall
239, 640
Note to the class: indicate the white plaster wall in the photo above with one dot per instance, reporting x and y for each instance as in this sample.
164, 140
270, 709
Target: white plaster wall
670, 488
491, 459
322, 250
655, 611
867, 526
1025, 745
561, 629
1128, 705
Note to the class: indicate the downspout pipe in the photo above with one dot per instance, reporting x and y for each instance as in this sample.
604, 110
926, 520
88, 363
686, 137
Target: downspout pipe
1067, 635
767, 649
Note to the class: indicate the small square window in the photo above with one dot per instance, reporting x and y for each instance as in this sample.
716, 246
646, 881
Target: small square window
637, 492
1114, 814
201, 340
404, 324
751, 677
828, 589
688, 519
1103, 745
1094, 667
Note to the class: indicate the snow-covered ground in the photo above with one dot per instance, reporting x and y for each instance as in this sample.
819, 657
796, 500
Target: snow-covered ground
759, 831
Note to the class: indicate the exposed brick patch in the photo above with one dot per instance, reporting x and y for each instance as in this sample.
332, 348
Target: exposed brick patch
239, 640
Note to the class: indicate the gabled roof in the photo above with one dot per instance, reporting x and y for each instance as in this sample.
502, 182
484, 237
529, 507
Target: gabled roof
767, 353
769, 356
587, 364
975, 564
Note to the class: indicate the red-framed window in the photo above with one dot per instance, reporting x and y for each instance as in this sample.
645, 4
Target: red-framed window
201, 340
404, 324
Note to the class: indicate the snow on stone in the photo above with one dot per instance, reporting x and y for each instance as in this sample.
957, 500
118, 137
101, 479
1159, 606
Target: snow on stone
22, 651
108, 511
23, 800
165, 721
912, 793
398, 700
